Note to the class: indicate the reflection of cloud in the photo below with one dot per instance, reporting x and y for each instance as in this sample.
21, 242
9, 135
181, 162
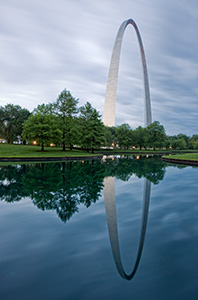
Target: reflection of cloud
171, 218
110, 207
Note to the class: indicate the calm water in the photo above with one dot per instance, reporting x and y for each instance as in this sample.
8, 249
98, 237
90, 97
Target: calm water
123, 228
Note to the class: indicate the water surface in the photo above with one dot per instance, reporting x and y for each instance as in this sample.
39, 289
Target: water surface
60, 241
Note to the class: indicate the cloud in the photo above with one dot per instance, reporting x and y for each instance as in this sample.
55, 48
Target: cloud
49, 46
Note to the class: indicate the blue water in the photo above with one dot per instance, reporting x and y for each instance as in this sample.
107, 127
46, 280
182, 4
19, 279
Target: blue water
54, 239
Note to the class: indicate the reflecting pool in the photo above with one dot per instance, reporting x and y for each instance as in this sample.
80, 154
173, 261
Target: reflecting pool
120, 227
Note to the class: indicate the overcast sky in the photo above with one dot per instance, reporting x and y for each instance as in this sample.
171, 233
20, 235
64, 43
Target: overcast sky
47, 46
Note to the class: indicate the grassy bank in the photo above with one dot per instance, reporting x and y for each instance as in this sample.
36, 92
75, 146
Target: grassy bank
12, 151
186, 156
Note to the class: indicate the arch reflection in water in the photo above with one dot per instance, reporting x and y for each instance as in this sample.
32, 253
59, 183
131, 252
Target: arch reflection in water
110, 207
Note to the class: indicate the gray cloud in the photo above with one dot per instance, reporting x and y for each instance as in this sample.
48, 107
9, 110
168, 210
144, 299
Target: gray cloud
47, 46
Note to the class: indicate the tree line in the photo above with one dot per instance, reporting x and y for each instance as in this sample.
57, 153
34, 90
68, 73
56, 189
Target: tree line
151, 137
64, 123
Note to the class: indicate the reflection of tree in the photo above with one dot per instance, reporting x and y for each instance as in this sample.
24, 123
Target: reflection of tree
151, 168
63, 186
40, 182
11, 184
91, 178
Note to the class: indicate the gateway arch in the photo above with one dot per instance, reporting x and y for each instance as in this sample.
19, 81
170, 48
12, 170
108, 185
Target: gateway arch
111, 91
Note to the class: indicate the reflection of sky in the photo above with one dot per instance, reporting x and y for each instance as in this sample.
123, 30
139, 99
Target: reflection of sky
173, 213
184, 208
49, 46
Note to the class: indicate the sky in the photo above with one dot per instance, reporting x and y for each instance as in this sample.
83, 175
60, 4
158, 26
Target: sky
49, 46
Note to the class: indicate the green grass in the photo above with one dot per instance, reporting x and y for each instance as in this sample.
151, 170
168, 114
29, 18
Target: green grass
10, 151
13, 151
187, 156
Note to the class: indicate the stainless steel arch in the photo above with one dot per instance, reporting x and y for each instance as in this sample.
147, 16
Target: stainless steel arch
111, 91
110, 207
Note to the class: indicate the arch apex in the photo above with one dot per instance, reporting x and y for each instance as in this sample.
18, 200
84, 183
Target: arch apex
111, 90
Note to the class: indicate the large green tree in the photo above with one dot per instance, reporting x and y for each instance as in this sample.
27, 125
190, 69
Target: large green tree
91, 127
42, 126
110, 136
11, 119
66, 109
124, 136
179, 143
185, 138
139, 139
156, 135
193, 144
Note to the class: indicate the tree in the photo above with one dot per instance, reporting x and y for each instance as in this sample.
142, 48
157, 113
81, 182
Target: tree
172, 141
185, 138
180, 141
139, 137
193, 144
11, 118
110, 136
91, 127
156, 135
66, 109
179, 144
124, 135
41, 126
168, 143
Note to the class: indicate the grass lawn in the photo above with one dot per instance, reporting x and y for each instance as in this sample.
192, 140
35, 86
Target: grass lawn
13, 151
7, 150
186, 156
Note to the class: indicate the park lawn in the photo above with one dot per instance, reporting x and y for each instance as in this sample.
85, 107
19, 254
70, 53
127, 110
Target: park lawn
11, 151
186, 156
